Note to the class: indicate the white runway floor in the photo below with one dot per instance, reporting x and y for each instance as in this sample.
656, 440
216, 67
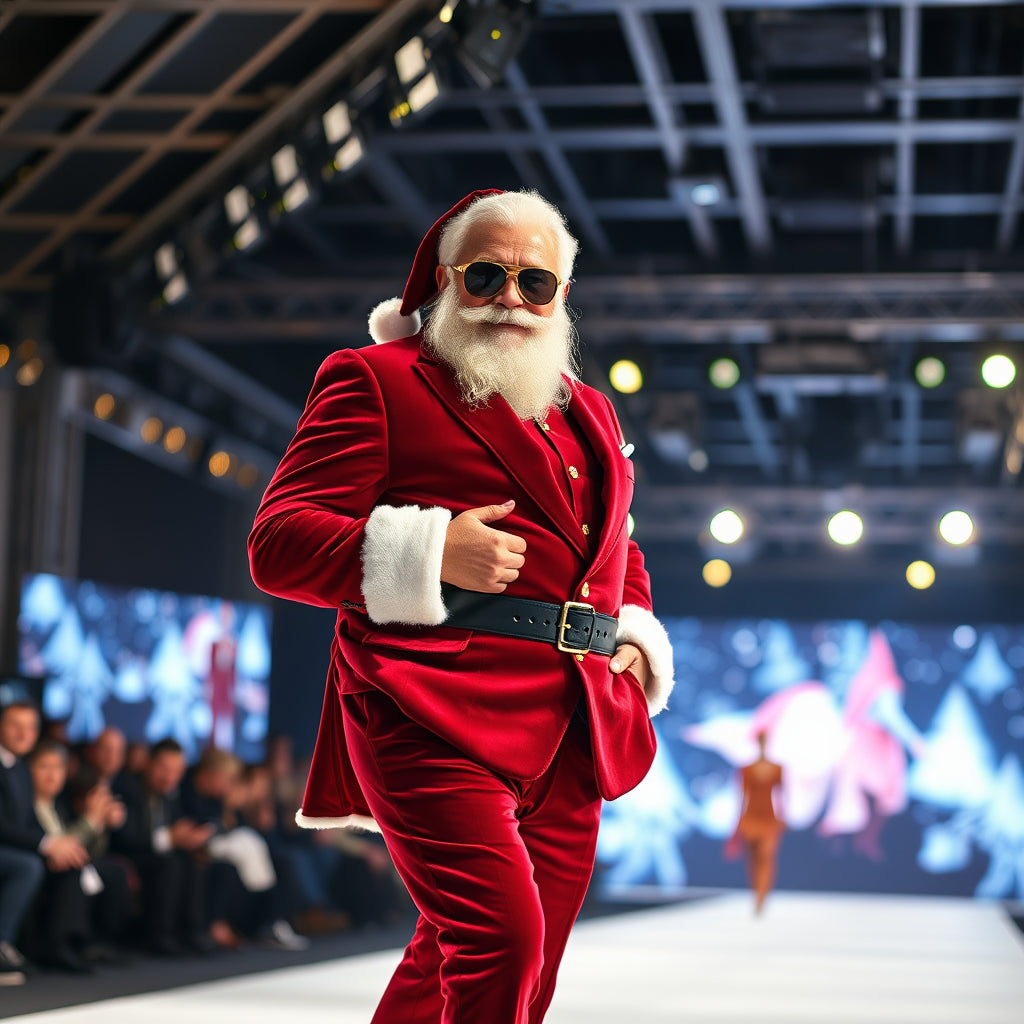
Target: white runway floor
811, 959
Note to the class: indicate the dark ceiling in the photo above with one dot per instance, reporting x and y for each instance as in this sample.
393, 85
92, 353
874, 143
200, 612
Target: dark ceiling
823, 192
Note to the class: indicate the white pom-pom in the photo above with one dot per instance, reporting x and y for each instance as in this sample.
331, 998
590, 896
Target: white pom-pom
388, 324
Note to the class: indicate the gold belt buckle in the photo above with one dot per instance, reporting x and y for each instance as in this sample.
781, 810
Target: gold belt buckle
563, 625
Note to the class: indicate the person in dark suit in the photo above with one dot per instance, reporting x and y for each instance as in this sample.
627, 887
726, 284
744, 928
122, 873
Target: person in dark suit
162, 844
26, 851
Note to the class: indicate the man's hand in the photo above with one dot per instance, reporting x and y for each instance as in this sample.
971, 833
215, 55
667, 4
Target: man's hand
64, 853
478, 557
187, 835
628, 658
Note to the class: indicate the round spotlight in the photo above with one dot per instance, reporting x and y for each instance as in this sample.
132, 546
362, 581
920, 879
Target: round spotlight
29, 372
626, 376
717, 572
998, 371
920, 575
724, 373
151, 430
630, 523
846, 528
5, 355
698, 460
726, 527
248, 475
219, 463
956, 527
175, 439
104, 406
930, 372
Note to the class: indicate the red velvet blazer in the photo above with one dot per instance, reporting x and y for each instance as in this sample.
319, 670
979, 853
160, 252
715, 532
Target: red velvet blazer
385, 426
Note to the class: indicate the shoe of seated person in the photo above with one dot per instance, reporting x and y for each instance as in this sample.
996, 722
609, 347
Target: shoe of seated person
64, 958
11, 958
280, 935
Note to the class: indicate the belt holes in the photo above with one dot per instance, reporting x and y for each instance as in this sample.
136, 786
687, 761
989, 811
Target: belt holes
532, 620
586, 629
547, 622
515, 618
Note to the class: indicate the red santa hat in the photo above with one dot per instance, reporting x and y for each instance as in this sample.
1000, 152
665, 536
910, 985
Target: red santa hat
400, 317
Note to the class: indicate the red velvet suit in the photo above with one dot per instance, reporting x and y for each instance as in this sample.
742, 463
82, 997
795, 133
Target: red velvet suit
468, 749
387, 426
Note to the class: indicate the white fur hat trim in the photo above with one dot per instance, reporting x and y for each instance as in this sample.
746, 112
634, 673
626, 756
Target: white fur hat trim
388, 324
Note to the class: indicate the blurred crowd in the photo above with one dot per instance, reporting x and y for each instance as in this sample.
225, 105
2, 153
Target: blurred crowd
109, 847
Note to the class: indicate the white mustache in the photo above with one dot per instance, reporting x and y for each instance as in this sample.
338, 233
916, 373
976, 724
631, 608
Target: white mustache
501, 315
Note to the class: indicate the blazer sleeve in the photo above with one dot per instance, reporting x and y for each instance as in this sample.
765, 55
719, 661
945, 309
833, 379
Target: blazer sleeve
18, 824
305, 543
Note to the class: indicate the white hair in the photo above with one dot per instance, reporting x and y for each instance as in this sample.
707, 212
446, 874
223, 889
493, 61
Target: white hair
509, 209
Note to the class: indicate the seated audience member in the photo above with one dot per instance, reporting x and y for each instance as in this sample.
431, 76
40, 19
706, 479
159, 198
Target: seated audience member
63, 932
248, 898
304, 867
106, 755
161, 843
338, 869
96, 813
26, 851
136, 757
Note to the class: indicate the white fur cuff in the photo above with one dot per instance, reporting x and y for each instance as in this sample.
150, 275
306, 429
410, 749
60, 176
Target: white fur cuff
638, 626
360, 821
402, 549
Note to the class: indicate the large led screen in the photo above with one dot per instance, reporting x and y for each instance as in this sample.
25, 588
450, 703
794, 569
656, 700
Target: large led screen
153, 663
901, 751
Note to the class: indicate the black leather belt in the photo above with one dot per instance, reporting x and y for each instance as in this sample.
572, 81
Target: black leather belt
573, 627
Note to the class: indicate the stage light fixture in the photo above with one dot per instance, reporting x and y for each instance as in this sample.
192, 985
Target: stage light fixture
175, 439
239, 206
342, 136
956, 527
998, 371
248, 475
219, 463
698, 460
920, 575
290, 180
626, 376
726, 526
104, 406
717, 572
930, 372
29, 372
151, 430
169, 272
5, 355
724, 373
491, 38
418, 82
705, 193
846, 528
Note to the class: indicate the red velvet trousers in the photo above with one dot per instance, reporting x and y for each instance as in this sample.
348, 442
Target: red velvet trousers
497, 868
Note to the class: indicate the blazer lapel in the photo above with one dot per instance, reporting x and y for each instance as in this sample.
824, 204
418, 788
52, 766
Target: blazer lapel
617, 485
500, 430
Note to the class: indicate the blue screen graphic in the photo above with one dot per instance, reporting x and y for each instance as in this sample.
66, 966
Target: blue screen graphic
901, 750
153, 663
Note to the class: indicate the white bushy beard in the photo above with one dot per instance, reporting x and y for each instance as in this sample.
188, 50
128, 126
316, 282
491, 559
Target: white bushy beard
525, 369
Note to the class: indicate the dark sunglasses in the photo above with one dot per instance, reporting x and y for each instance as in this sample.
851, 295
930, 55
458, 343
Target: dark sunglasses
483, 279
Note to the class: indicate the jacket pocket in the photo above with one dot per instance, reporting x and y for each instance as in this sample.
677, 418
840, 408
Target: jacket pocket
448, 641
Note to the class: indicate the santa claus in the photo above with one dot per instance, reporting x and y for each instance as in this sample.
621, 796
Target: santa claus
460, 497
